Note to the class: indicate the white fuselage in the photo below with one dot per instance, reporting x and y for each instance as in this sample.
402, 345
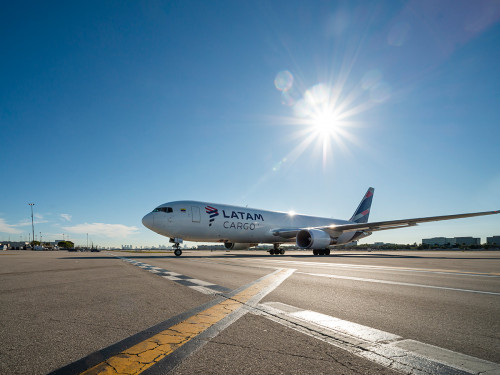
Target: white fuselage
211, 222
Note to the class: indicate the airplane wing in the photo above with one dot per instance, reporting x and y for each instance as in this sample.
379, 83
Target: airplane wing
334, 229
394, 224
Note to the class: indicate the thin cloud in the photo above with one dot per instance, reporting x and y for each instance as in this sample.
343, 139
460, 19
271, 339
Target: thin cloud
8, 228
25, 223
101, 229
66, 217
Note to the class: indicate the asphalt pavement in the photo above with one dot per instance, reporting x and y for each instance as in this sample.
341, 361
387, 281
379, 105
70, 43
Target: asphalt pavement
350, 312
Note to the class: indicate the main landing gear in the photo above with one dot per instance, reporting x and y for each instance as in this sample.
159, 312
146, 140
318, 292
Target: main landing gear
276, 250
321, 251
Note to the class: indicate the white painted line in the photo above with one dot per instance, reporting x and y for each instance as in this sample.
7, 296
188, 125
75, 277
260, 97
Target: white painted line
173, 278
448, 357
344, 326
387, 349
282, 307
203, 290
174, 273
201, 282
381, 268
398, 283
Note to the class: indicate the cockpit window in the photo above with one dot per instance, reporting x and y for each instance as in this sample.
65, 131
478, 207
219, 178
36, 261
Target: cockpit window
163, 209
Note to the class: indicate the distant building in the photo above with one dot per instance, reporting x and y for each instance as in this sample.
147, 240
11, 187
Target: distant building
440, 241
495, 240
15, 245
455, 241
467, 241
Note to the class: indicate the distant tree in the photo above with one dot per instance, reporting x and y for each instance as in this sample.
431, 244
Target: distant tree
66, 244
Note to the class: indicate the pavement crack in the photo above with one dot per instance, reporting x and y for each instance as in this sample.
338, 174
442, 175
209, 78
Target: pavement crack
239, 346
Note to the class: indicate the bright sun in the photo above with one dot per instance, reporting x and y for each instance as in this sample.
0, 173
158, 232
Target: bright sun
323, 114
324, 124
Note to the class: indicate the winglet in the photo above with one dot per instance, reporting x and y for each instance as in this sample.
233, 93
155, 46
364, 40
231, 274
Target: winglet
363, 211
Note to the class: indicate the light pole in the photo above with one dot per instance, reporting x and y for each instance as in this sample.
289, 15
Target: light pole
32, 224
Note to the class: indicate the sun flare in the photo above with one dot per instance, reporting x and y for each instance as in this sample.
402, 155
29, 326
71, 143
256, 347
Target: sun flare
324, 124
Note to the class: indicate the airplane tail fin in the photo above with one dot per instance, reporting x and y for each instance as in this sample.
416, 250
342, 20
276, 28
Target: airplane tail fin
363, 211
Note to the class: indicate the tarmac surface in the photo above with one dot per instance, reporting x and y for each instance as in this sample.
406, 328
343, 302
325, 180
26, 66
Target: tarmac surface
250, 313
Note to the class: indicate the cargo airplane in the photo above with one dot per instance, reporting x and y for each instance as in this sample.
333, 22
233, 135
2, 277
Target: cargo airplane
241, 227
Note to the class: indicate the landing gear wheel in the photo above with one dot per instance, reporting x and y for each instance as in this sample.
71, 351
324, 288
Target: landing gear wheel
282, 251
177, 252
321, 252
315, 252
327, 251
276, 250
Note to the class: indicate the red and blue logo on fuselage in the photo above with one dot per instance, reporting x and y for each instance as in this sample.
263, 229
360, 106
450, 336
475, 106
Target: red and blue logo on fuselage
212, 212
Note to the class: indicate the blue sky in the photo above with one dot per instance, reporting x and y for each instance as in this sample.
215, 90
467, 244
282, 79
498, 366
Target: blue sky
108, 109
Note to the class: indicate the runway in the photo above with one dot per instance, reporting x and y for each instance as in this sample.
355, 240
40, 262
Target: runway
249, 312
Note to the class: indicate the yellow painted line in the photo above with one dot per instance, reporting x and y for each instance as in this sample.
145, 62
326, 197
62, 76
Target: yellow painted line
147, 353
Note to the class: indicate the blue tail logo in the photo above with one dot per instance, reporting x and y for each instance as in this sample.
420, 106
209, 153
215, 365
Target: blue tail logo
363, 211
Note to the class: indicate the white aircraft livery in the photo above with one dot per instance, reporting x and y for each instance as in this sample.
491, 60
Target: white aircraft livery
241, 227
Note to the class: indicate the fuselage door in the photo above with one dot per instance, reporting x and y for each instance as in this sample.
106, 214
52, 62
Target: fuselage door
195, 211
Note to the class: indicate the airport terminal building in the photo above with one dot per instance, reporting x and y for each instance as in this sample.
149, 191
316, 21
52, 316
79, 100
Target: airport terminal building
455, 241
494, 240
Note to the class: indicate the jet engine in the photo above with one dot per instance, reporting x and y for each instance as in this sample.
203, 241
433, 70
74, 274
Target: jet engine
238, 246
314, 239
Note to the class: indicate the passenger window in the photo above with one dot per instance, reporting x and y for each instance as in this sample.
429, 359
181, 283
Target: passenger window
169, 209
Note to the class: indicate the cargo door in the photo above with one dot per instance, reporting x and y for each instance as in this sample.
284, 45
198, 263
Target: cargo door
195, 211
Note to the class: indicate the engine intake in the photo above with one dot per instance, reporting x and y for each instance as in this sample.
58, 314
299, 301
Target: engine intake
314, 239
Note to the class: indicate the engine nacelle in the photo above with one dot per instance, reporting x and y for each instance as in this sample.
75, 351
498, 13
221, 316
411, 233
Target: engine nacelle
238, 246
314, 239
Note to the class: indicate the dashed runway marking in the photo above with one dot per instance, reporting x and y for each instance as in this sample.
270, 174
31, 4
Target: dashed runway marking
195, 284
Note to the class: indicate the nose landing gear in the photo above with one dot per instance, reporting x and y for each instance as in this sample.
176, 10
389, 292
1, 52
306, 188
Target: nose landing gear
177, 251
177, 243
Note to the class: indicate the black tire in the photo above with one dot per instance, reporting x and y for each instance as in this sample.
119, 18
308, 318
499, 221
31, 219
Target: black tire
327, 251
178, 252
271, 252
315, 252
282, 251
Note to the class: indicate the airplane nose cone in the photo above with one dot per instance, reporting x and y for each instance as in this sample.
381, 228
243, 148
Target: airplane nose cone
148, 221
